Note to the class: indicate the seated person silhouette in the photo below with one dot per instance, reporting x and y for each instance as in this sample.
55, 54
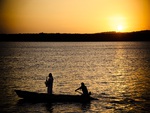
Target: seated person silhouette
84, 90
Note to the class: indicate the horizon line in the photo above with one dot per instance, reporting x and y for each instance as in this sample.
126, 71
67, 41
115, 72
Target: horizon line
78, 33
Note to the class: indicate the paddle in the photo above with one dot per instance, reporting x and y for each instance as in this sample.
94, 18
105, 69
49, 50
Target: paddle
82, 93
78, 92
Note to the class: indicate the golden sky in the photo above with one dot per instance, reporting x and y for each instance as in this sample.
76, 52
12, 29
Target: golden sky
73, 16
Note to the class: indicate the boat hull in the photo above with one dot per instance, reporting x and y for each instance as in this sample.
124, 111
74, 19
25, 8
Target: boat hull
44, 97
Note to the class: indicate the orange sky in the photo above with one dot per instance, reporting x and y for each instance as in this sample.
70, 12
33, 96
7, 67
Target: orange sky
73, 16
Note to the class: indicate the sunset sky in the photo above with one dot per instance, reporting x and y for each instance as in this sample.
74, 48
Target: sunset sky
73, 16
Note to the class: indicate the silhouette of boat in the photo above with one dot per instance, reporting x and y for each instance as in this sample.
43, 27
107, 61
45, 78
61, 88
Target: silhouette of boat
44, 97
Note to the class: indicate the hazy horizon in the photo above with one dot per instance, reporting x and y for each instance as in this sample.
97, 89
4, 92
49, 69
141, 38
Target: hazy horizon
76, 33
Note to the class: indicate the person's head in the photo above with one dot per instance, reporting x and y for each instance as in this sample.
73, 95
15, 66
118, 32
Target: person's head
50, 75
82, 84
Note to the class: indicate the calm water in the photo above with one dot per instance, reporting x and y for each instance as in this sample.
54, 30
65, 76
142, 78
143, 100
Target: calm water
117, 73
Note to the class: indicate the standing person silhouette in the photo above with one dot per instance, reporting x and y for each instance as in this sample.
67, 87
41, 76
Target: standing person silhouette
49, 83
84, 89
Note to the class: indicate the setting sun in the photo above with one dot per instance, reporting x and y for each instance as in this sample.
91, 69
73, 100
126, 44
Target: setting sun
119, 28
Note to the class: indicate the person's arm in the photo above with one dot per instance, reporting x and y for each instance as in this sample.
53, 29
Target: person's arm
46, 81
78, 88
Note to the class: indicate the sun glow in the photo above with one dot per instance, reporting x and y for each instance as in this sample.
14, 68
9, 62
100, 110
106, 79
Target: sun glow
118, 23
119, 28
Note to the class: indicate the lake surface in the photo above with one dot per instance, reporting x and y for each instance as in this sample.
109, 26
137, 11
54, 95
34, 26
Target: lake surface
117, 73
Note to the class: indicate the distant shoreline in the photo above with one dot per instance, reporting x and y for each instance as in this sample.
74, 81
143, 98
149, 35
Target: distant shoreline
65, 37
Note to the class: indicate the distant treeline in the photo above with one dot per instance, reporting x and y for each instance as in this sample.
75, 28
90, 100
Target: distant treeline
64, 37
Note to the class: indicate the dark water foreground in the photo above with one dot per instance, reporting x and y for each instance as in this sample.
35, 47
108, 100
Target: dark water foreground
117, 73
